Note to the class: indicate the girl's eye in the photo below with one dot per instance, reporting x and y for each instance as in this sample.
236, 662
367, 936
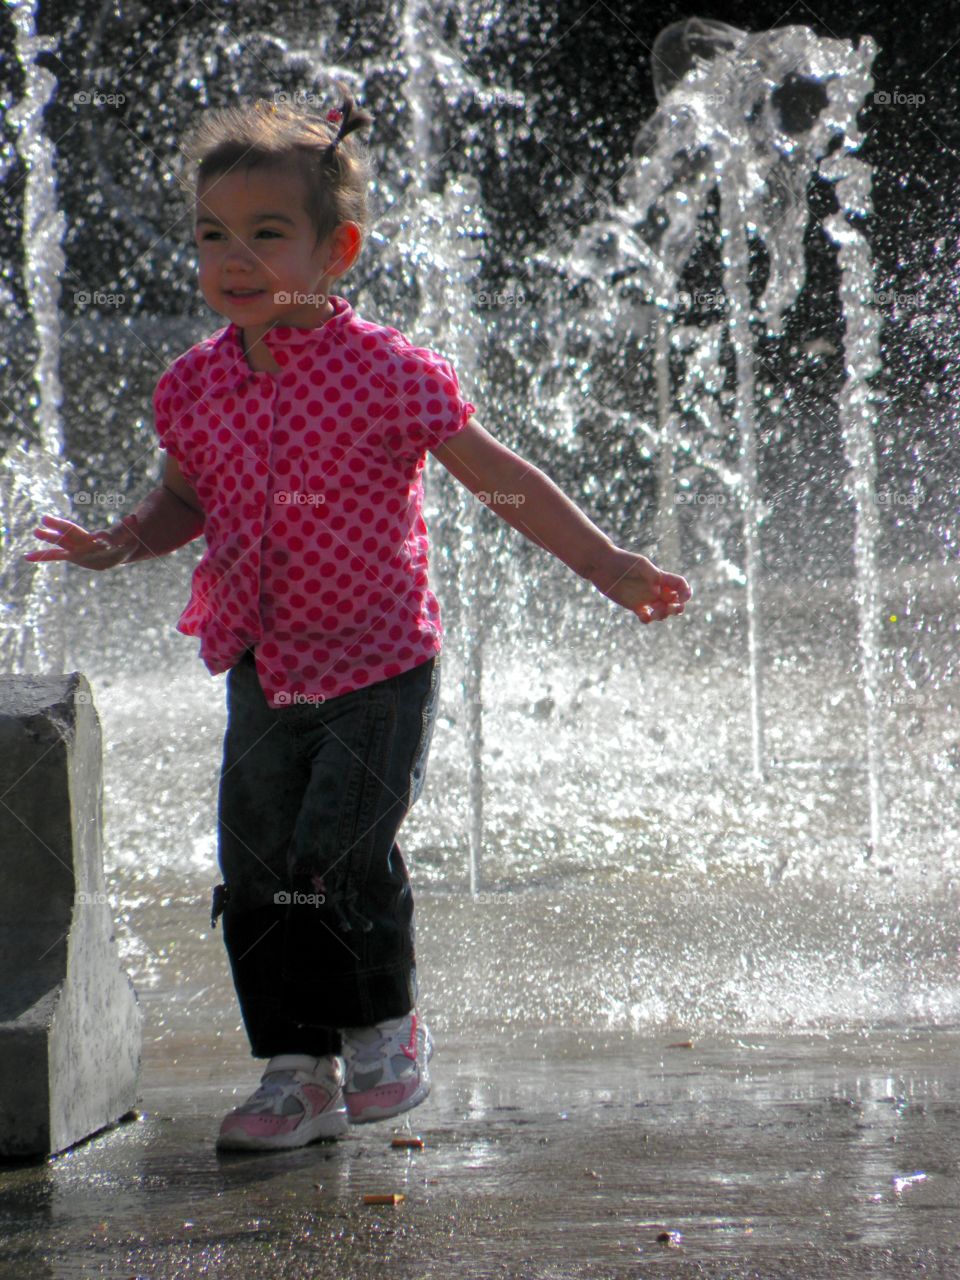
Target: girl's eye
218, 235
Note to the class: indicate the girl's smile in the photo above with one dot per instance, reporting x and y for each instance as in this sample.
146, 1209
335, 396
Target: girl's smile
246, 296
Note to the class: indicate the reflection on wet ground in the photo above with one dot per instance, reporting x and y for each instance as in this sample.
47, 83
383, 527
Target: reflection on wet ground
664, 903
549, 1152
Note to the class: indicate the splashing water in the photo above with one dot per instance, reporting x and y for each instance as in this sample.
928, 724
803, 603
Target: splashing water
639, 850
750, 120
31, 471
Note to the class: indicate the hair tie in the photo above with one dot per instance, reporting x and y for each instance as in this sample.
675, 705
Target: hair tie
335, 116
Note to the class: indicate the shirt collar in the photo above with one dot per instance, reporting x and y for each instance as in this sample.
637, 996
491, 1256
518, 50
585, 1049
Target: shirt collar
227, 367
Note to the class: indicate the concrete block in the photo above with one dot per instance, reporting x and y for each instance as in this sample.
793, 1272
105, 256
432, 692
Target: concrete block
70, 1023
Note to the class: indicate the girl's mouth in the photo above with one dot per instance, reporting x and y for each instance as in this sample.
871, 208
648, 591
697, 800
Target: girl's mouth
243, 295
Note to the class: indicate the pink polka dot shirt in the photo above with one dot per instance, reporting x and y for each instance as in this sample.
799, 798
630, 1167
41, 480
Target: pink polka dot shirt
311, 484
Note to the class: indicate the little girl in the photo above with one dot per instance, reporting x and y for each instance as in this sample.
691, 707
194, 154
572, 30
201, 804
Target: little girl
295, 439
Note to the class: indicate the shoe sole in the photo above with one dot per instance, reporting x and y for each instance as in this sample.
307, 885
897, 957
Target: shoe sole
372, 1113
325, 1126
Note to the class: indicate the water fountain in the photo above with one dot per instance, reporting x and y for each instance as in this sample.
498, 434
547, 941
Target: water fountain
31, 632
587, 730
746, 120
451, 225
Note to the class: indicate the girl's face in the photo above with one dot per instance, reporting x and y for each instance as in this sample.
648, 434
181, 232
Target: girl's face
260, 263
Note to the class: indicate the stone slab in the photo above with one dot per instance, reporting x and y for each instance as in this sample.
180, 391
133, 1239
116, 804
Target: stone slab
70, 1023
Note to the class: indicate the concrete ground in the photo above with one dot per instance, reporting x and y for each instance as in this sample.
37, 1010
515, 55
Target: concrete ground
548, 1153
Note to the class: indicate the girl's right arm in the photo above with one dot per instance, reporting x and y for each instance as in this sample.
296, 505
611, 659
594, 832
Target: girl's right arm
167, 518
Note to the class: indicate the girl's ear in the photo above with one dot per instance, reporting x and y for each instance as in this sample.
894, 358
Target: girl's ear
344, 246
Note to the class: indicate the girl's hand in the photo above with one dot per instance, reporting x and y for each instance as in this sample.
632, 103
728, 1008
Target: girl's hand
76, 545
638, 585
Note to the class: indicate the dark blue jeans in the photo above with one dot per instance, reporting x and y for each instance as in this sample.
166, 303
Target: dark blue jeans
317, 906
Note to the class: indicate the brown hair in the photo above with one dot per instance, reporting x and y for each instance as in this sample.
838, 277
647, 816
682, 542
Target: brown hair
334, 166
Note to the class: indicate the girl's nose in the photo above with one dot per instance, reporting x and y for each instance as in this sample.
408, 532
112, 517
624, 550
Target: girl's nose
239, 255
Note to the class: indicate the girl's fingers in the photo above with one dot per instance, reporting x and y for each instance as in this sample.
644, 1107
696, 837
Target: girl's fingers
48, 535
70, 542
72, 536
657, 612
60, 528
671, 584
59, 521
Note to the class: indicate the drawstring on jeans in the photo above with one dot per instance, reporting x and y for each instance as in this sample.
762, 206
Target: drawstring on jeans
220, 895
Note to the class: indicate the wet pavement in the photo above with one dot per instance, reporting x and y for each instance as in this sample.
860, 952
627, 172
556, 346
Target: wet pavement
548, 1153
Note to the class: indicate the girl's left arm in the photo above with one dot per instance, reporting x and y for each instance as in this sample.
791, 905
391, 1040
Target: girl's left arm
529, 501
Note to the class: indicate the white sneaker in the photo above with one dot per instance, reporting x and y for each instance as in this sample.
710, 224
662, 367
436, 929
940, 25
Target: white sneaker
387, 1068
299, 1099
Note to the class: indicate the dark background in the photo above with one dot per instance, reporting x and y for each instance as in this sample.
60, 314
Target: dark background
585, 71
544, 169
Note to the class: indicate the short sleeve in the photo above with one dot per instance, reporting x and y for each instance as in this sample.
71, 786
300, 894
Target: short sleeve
164, 413
433, 408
